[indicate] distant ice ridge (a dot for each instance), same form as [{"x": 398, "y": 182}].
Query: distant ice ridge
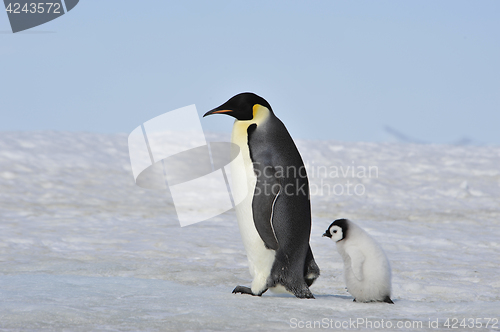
[{"x": 83, "y": 248}]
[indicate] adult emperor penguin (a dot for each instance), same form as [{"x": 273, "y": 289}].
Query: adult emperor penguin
[
  {"x": 275, "y": 217},
  {"x": 367, "y": 270}
]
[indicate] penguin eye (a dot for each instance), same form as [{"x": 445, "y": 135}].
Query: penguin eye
[{"x": 335, "y": 231}]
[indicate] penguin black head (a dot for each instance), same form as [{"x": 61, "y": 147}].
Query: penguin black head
[
  {"x": 242, "y": 106},
  {"x": 337, "y": 231}
]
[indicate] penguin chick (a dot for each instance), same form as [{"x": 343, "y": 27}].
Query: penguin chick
[{"x": 367, "y": 270}]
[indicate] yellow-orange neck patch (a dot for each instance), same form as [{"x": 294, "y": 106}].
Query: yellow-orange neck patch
[{"x": 260, "y": 113}]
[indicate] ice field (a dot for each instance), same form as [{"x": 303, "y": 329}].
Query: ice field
[{"x": 82, "y": 248}]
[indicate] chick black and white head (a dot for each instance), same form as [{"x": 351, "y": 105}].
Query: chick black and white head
[
  {"x": 337, "y": 231},
  {"x": 243, "y": 106}
]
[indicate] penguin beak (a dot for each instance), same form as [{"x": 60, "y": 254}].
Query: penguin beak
[
  {"x": 217, "y": 111},
  {"x": 327, "y": 234}
]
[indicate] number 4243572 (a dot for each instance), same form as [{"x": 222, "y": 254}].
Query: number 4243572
[
  {"x": 33, "y": 8},
  {"x": 455, "y": 323}
]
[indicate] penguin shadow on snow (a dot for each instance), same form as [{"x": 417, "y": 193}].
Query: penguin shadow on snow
[
  {"x": 349, "y": 299},
  {"x": 327, "y": 296}
]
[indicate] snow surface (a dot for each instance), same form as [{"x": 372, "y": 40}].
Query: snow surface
[{"x": 83, "y": 248}]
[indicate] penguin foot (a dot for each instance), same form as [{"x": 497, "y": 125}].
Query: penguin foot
[
  {"x": 307, "y": 296},
  {"x": 245, "y": 290},
  {"x": 387, "y": 299},
  {"x": 303, "y": 294}
]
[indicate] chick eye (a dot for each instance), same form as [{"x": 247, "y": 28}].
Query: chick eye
[{"x": 335, "y": 231}]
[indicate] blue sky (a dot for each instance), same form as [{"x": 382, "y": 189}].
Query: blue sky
[{"x": 330, "y": 69}]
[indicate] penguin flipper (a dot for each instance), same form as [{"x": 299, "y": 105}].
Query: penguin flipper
[
  {"x": 357, "y": 260},
  {"x": 267, "y": 191}
]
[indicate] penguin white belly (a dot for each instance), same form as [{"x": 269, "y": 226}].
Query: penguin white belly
[
  {"x": 259, "y": 257},
  {"x": 376, "y": 274}
]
